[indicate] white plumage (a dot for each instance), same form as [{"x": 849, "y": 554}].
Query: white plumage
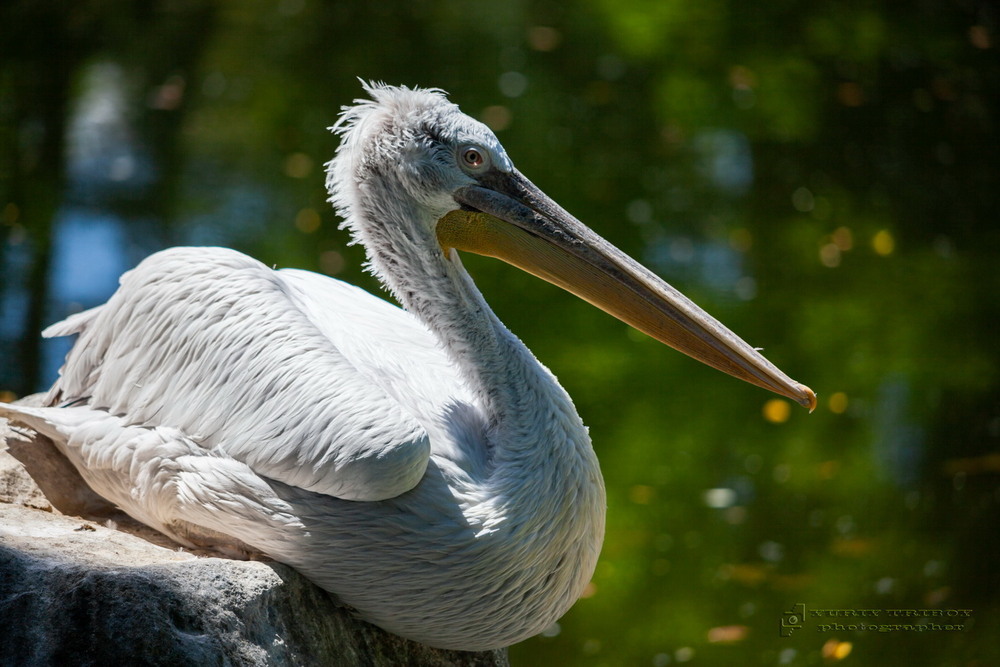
[{"x": 419, "y": 464}]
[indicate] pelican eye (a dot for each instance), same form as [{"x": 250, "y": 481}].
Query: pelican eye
[{"x": 474, "y": 158}]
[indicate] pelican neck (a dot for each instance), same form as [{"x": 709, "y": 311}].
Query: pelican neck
[{"x": 513, "y": 390}]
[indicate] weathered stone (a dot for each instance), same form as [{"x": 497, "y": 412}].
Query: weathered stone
[{"x": 76, "y": 589}]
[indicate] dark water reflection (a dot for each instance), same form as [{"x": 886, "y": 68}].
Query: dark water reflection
[{"x": 821, "y": 178}]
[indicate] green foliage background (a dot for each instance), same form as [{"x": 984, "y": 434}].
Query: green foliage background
[{"x": 821, "y": 176}]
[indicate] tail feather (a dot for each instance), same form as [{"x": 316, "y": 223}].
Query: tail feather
[
  {"x": 73, "y": 324},
  {"x": 55, "y": 423}
]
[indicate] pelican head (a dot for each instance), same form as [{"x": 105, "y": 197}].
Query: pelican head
[{"x": 453, "y": 188}]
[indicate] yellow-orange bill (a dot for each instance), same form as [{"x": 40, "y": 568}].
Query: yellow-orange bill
[{"x": 515, "y": 222}]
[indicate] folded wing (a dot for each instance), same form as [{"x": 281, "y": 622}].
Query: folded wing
[{"x": 303, "y": 378}]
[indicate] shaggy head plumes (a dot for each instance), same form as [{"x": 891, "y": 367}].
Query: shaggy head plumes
[{"x": 405, "y": 137}]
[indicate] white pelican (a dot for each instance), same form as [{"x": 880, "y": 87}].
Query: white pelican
[{"x": 418, "y": 463}]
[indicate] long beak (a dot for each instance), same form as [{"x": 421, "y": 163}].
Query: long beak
[{"x": 507, "y": 217}]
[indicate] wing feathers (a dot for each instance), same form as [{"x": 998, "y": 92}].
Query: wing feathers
[{"x": 258, "y": 365}]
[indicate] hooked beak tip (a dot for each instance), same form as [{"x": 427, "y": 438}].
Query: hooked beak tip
[{"x": 807, "y": 398}]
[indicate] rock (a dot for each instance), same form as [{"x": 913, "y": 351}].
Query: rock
[
  {"x": 90, "y": 586},
  {"x": 51, "y": 480}
]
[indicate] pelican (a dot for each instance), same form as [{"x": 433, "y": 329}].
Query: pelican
[{"x": 418, "y": 463}]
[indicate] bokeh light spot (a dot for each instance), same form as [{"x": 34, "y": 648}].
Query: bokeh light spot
[
  {"x": 11, "y": 212},
  {"x": 543, "y": 38},
  {"x": 850, "y": 94},
  {"x": 834, "y": 649},
  {"x": 331, "y": 262},
  {"x": 741, "y": 239},
  {"x": 719, "y": 498},
  {"x": 883, "y": 243},
  {"x": 838, "y": 403},
  {"x": 298, "y": 165},
  {"x": 829, "y": 255},
  {"x": 307, "y": 220},
  {"x": 727, "y": 634},
  {"x": 843, "y": 238},
  {"x": 979, "y": 37},
  {"x": 496, "y": 117},
  {"x": 803, "y": 200},
  {"x": 512, "y": 84},
  {"x": 640, "y": 494},
  {"x": 777, "y": 411}
]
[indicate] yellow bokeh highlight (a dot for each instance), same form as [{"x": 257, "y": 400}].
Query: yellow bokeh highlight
[
  {"x": 883, "y": 243},
  {"x": 828, "y": 469},
  {"x": 496, "y": 117},
  {"x": 777, "y": 411},
  {"x": 331, "y": 262},
  {"x": 843, "y": 238},
  {"x": 307, "y": 220},
  {"x": 835, "y": 649},
  {"x": 838, "y": 403},
  {"x": 640, "y": 494},
  {"x": 728, "y": 634},
  {"x": 298, "y": 165},
  {"x": 543, "y": 38}
]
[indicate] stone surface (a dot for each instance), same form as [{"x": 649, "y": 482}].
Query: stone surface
[{"x": 83, "y": 584}]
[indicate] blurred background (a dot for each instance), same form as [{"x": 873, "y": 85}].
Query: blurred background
[{"x": 821, "y": 176}]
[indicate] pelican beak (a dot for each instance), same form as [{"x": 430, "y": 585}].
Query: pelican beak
[{"x": 507, "y": 217}]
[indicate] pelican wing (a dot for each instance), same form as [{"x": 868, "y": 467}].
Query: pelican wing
[{"x": 296, "y": 375}]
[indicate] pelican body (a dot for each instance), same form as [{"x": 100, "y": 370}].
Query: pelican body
[{"x": 418, "y": 463}]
